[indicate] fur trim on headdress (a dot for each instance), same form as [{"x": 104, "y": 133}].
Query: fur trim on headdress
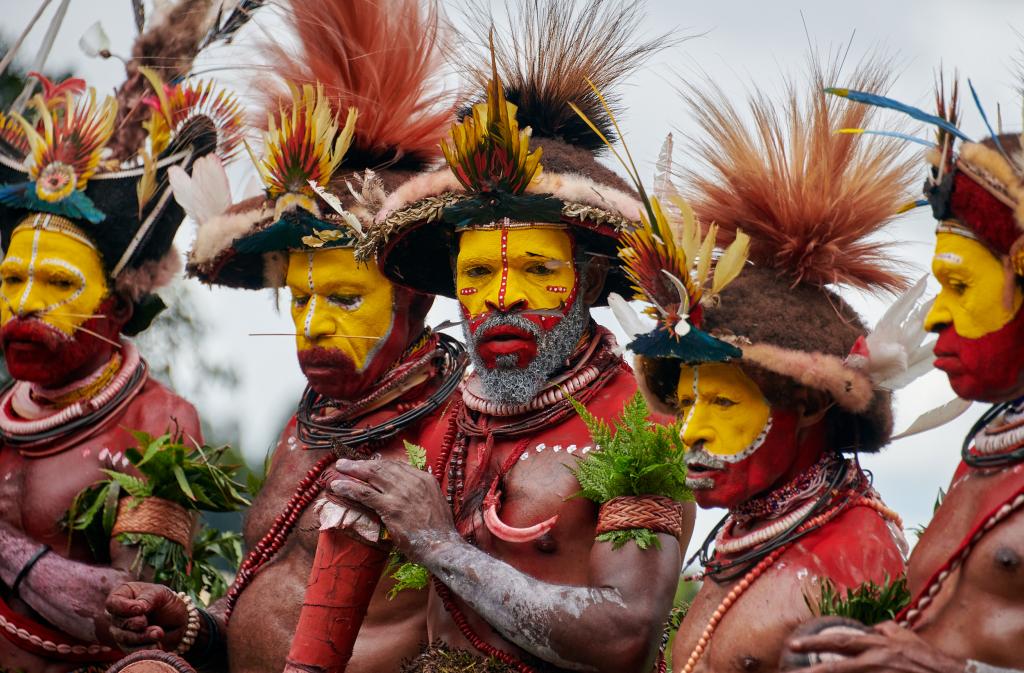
[
  {"x": 141, "y": 280},
  {"x": 568, "y": 187},
  {"x": 851, "y": 389},
  {"x": 810, "y": 198},
  {"x": 552, "y": 48},
  {"x": 218, "y": 233},
  {"x": 383, "y": 58}
]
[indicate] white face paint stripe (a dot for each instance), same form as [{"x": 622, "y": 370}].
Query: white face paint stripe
[
  {"x": 693, "y": 407},
  {"x": 31, "y": 263},
  {"x": 311, "y": 306},
  {"x": 73, "y": 270}
]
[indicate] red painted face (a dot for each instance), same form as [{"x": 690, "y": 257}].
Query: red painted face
[
  {"x": 37, "y": 352},
  {"x": 989, "y": 368},
  {"x": 527, "y": 271},
  {"x": 721, "y": 484}
]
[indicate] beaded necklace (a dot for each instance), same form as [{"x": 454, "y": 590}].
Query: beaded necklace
[
  {"x": 997, "y": 439},
  {"x": 452, "y": 364},
  {"x": 53, "y": 433}
]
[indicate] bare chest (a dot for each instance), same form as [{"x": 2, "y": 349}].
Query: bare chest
[
  {"x": 534, "y": 483},
  {"x": 751, "y": 633},
  {"x": 995, "y": 561},
  {"x": 35, "y": 493}
]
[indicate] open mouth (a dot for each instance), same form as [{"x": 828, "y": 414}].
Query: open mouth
[{"x": 505, "y": 333}]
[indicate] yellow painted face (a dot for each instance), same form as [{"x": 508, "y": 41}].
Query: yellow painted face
[
  {"x": 339, "y": 304},
  {"x": 972, "y": 279},
  {"x": 722, "y": 407},
  {"x": 526, "y": 268},
  {"x": 56, "y": 276}
]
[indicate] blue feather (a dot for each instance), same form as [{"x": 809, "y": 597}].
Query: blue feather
[
  {"x": 984, "y": 118},
  {"x": 890, "y": 104},
  {"x": 75, "y": 206},
  {"x": 889, "y": 134}
]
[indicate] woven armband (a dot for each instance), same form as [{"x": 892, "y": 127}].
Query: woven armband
[
  {"x": 155, "y": 516},
  {"x": 652, "y": 512}
]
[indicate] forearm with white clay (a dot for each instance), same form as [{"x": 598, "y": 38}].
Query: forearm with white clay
[
  {"x": 68, "y": 594},
  {"x": 553, "y": 622}
]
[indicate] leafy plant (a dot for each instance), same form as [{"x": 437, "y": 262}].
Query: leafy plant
[
  {"x": 192, "y": 477},
  {"x": 869, "y": 603},
  {"x": 406, "y": 574},
  {"x": 636, "y": 458}
]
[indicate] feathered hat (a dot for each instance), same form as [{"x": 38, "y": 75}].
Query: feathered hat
[
  {"x": 361, "y": 111},
  {"x": 124, "y": 209},
  {"x": 810, "y": 199},
  {"x": 976, "y": 189},
  {"x": 522, "y": 154}
]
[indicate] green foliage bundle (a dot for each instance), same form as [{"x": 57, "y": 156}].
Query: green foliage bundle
[
  {"x": 406, "y": 574},
  {"x": 192, "y": 477},
  {"x": 637, "y": 457},
  {"x": 869, "y": 603}
]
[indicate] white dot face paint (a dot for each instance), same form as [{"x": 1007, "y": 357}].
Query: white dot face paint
[{"x": 723, "y": 411}]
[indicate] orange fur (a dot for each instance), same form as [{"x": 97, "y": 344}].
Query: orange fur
[
  {"x": 810, "y": 198},
  {"x": 381, "y": 56}
]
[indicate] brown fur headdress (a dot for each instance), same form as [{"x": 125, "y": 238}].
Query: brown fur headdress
[{"x": 812, "y": 200}]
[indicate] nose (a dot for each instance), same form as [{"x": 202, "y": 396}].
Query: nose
[
  {"x": 505, "y": 307},
  {"x": 28, "y": 304},
  {"x": 318, "y": 322},
  {"x": 698, "y": 428},
  {"x": 940, "y": 315}
]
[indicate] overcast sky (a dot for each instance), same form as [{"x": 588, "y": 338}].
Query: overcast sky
[{"x": 741, "y": 44}]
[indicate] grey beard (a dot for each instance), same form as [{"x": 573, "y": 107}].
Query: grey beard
[{"x": 510, "y": 384}]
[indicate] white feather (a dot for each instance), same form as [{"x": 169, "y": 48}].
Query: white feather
[
  {"x": 935, "y": 417},
  {"x": 897, "y": 352},
  {"x": 206, "y": 193},
  {"x": 662, "y": 186},
  {"x": 627, "y": 317},
  {"x": 335, "y": 203},
  {"x": 94, "y": 41}
]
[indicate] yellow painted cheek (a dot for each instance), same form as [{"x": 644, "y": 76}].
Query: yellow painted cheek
[
  {"x": 512, "y": 255},
  {"x": 43, "y": 258},
  {"x": 978, "y": 308},
  {"x": 726, "y": 429},
  {"x": 326, "y": 277}
]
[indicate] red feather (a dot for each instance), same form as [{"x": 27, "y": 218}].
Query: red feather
[
  {"x": 382, "y": 57},
  {"x": 810, "y": 199}
]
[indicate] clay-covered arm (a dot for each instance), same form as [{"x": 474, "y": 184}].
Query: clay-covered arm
[
  {"x": 68, "y": 594},
  {"x": 614, "y": 624}
]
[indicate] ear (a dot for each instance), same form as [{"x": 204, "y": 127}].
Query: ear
[
  {"x": 812, "y": 405},
  {"x": 123, "y": 308},
  {"x": 595, "y": 271}
]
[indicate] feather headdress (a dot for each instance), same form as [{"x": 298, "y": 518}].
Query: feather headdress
[
  {"x": 976, "y": 189},
  {"x": 810, "y": 198},
  {"x": 383, "y": 58},
  {"x": 541, "y": 73},
  {"x": 551, "y": 52},
  {"x": 366, "y": 59}
]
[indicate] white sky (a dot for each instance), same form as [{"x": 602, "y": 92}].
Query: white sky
[{"x": 741, "y": 42}]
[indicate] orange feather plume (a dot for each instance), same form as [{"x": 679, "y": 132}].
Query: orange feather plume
[
  {"x": 383, "y": 58},
  {"x": 810, "y": 198}
]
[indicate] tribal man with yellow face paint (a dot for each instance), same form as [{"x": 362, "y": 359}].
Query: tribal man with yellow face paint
[
  {"x": 966, "y": 574},
  {"x": 377, "y": 375},
  {"x": 518, "y": 289},
  {"x": 86, "y": 245}
]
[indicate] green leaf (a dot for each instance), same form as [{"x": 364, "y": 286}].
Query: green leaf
[
  {"x": 417, "y": 455},
  {"x": 179, "y": 474}
]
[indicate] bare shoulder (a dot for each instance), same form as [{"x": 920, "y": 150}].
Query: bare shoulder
[{"x": 853, "y": 548}]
